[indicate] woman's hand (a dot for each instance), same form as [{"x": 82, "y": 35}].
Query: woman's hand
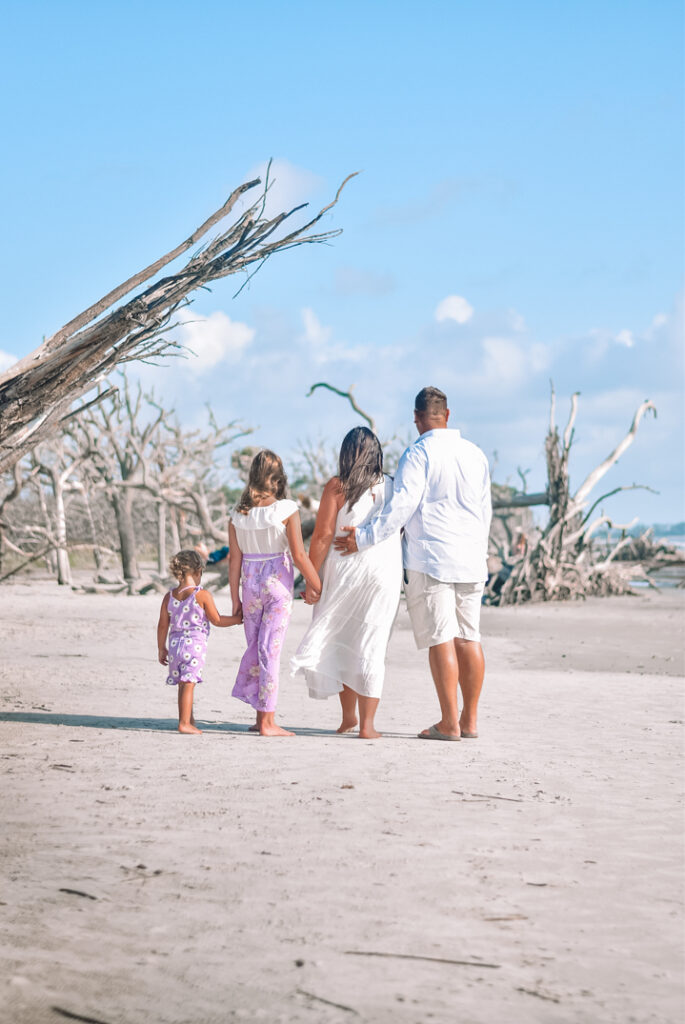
[{"x": 311, "y": 595}]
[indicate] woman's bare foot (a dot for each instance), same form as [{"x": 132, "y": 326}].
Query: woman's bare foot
[
  {"x": 271, "y": 729},
  {"x": 369, "y": 734},
  {"x": 348, "y": 725},
  {"x": 188, "y": 728}
]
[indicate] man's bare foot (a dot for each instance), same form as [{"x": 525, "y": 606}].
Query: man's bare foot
[
  {"x": 369, "y": 734},
  {"x": 348, "y": 725},
  {"x": 182, "y": 727},
  {"x": 273, "y": 730}
]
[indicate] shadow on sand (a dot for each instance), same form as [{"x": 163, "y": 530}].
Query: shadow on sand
[{"x": 159, "y": 724}]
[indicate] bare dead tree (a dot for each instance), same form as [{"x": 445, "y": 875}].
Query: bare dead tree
[
  {"x": 38, "y": 391},
  {"x": 56, "y": 461},
  {"x": 186, "y": 475},
  {"x": 18, "y": 478},
  {"x": 563, "y": 563},
  {"x": 113, "y": 437}
]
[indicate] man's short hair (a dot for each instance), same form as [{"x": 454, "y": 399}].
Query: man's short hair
[{"x": 431, "y": 402}]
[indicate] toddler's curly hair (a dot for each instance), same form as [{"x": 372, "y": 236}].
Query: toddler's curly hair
[{"x": 184, "y": 563}]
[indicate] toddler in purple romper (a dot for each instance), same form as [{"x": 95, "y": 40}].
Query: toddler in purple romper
[{"x": 188, "y": 634}]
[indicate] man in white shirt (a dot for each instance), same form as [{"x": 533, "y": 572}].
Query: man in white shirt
[{"x": 441, "y": 497}]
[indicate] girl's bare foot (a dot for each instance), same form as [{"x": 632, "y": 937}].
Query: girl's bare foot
[
  {"x": 188, "y": 728},
  {"x": 253, "y": 728},
  {"x": 348, "y": 725},
  {"x": 271, "y": 729},
  {"x": 369, "y": 734}
]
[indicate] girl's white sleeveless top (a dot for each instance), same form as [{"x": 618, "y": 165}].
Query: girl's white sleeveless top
[{"x": 261, "y": 531}]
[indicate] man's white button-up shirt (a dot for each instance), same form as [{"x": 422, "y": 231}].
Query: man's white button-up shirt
[{"x": 441, "y": 496}]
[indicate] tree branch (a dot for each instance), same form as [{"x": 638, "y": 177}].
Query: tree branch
[
  {"x": 345, "y": 394},
  {"x": 596, "y": 475}
]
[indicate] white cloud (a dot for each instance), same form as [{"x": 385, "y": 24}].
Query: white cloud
[
  {"x": 625, "y": 337},
  {"x": 317, "y": 338},
  {"x": 6, "y": 360},
  {"x": 454, "y": 307},
  {"x": 314, "y": 331},
  {"x": 504, "y": 361},
  {"x": 213, "y": 339}
]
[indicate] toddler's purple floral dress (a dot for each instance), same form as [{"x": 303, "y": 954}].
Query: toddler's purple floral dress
[{"x": 188, "y": 633}]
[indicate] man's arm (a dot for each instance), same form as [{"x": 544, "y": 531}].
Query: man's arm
[{"x": 408, "y": 488}]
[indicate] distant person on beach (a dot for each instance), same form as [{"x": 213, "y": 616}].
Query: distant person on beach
[
  {"x": 185, "y": 622},
  {"x": 212, "y": 557},
  {"x": 265, "y": 538},
  {"x": 441, "y": 496},
  {"x": 343, "y": 651}
]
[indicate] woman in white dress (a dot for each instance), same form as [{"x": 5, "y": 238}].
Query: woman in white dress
[{"x": 343, "y": 651}]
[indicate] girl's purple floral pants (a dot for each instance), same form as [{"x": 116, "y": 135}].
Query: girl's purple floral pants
[{"x": 267, "y": 597}]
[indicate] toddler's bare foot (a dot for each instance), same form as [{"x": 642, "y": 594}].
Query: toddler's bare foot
[
  {"x": 369, "y": 734},
  {"x": 189, "y": 728},
  {"x": 348, "y": 725},
  {"x": 273, "y": 730}
]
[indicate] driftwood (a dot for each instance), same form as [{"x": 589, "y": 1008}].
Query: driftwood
[
  {"x": 564, "y": 562},
  {"x": 38, "y": 391}
]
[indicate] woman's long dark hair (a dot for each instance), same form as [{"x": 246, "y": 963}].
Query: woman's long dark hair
[{"x": 360, "y": 464}]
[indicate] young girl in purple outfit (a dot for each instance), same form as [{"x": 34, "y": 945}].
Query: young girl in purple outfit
[
  {"x": 264, "y": 540},
  {"x": 185, "y": 615}
]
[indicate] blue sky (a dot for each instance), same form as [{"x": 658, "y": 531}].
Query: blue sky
[{"x": 519, "y": 216}]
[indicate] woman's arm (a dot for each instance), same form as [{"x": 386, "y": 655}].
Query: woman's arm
[
  {"x": 332, "y": 501},
  {"x": 235, "y": 564},
  {"x": 293, "y": 529},
  {"x": 162, "y": 631}
]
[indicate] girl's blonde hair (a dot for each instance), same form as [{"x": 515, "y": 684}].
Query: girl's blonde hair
[
  {"x": 185, "y": 563},
  {"x": 267, "y": 479}
]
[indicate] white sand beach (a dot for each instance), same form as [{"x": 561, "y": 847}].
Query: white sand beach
[{"x": 533, "y": 875}]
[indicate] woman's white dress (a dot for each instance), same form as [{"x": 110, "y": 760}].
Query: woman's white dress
[{"x": 351, "y": 623}]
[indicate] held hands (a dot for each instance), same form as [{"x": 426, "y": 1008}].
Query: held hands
[
  {"x": 311, "y": 596},
  {"x": 346, "y": 545},
  {"x": 163, "y": 656},
  {"x": 236, "y": 617}
]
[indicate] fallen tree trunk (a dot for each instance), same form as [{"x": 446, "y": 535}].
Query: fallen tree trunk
[{"x": 38, "y": 391}]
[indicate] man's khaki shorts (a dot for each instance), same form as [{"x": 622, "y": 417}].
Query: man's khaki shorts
[{"x": 442, "y": 611}]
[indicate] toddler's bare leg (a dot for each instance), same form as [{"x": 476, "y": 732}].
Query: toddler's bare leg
[
  {"x": 186, "y": 692},
  {"x": 367, "y": 711},
  {"x": 348, "y": 703}
]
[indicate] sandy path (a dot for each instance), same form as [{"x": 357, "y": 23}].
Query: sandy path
[{"x": 235, "y": 878}]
